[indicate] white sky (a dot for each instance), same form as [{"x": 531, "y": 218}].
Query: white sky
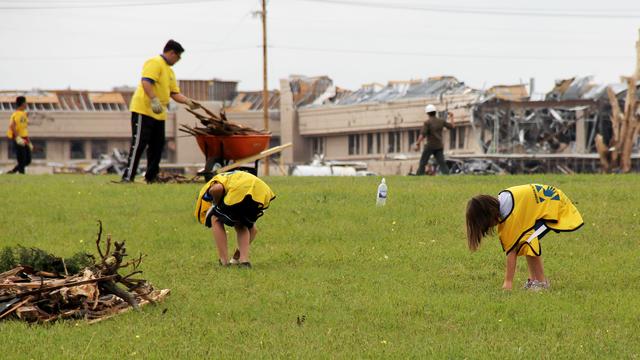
[{"x": 99, "y": 48}]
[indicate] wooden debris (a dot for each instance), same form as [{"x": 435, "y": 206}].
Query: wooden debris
[
  {"x": 626, "y": 126},
  {"x": 218, "y": 125},
  {"x": 168, "y": 178},
  {"x": 96, "y": 293}
]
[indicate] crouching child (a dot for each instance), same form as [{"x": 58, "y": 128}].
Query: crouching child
[
  {"x": 523, "y": 215},
  {"x": 235, "y": 199}
]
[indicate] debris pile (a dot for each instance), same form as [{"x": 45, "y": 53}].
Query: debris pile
[
  {"x": 116, "y": 162},
  {"x": 625, "y": 125},
  {"x": 170, "y": 178},
  {"x": 535, "y": 127},
  {"x": 218, "y": 124},
  {"x": 93, "y": 294}
]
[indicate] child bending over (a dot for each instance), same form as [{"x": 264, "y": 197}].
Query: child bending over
[
  {"x": 523, "y": 215},
  {"x": 236, "y": 199}
]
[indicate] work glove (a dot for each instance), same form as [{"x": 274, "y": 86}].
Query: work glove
[
  {"x": 20, "y": 140},
  {"x": 156, "y": 106},
  {"x": 192, "y": 104}
]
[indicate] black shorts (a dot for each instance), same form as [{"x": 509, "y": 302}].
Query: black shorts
[{"x": 244, "y": 213}]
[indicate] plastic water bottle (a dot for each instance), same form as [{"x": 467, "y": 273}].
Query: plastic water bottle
[{"x": 381, "y": 198}]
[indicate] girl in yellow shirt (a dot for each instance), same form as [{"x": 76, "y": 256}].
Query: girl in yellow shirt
[
  {"x": 523, "y": 215},
  {"x": 236, "y": 199}
]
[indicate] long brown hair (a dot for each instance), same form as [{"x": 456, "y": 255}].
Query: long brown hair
[{"x": 483, "y": 214}]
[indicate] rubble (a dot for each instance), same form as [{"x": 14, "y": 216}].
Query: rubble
[
  {"x": 396, "y": 90},
  {"x": 625, "y": 126},
  {"x": 218, "y": 125},
  {"x": 116, "y": 162},
  {"x": 170, "y": 178},
  {"x": 528, "y": 127},
  {"x": 94, "y": 294}
]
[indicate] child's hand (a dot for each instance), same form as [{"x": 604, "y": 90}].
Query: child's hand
[{"x": 507, "y": 285}]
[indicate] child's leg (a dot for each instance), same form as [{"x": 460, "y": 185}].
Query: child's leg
[
  {"x": 252, "y": 235},
  {"x": 244, "y": 237},
  {"x": 536, "y": 270},
  {"x": 220, "y": 237}
]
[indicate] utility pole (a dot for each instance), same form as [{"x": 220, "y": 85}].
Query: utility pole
[{"x": 265, "y": 85}]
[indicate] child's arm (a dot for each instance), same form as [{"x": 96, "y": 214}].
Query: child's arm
[{"x": 510, "y": 271}]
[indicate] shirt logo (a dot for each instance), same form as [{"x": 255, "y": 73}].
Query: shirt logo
[{"x": 547, "y": 193}]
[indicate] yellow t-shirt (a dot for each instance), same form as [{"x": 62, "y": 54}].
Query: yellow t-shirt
[
  {"x": 164, "y": 85},
  {"x": 533, "y": 203},
  {"x": 19, "y": 117},
  {"x": 237, "y": 185}
]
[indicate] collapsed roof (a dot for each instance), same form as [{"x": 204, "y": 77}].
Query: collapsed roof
[{"x": 432, "y": 87}]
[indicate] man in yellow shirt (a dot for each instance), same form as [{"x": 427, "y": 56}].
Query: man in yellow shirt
[
  {"x": 149, "y": 110},
  {"x": 18, "y": 132}
]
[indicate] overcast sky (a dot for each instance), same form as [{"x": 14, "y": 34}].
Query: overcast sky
[{"x": 99, "y": 44}]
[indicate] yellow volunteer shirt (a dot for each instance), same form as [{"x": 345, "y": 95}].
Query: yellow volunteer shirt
[
  {"x": 19, "y": 117},
  {"x": 164, "y": 85},
  {"x": 237, "y": 185},
  {"x": 531, "y": 203}
]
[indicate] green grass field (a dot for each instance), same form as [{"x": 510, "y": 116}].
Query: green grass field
[{"x": 393, "y": 282}]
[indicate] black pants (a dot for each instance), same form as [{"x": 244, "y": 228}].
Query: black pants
[
  {"x": 146, "y": 132},
  {"x": 23, "y": 154},
  {"x": 424, "y": 159}
]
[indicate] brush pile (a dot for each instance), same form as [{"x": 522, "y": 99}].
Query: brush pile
[
  {"x": 169, "y": 178},
  {"x": 217, "y": 125},
  {"x": 95, "y": 293}
]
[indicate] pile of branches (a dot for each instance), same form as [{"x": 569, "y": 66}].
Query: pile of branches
[
  {"x": 95, "y": 293},
  {"x": 626, "y": 127},
  {"x": 218, "y": 125},
  {"x": 169, "y": 178}
]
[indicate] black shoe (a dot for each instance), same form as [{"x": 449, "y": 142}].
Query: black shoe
[
  {"x": 245, "y": 265},
  {"x": 221, "y": 264},
  {"x": 122, "y": 181}
]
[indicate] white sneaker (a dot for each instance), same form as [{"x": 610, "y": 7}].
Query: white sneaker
[{"x": 539, "y": 285}]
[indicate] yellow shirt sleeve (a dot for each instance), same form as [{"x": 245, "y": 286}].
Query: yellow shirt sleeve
[{"x": 152, "y": 70}]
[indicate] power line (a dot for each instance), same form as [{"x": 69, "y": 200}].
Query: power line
[
  {"x": 485, "y": 11},
  {"x": 84, "y": 5},
  {"x": 449, "y": 55},
  {"x": 116, "y": 56}
]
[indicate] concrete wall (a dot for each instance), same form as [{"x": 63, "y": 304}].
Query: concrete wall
[
  {"x": 59, "y": 128},
  {"x": 335, "y": 124},
  {"x": 299, "y": 152}
]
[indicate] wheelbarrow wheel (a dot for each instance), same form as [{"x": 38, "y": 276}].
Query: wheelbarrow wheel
[{"x": 211, "y": 166}]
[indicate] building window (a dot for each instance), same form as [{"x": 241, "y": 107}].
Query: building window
[
  {"x": 168, "y": 153},
  {"x": 76, "y": 149},
  {"x": 370, "y": 143},
  {"x": 413, "y": 137},
  {"x": 98, "y": 147},
  {"x": 394, "y": 142},
  {"x": 460, "y": 132},
  {"x": 378, "y": 143},
  {"x": 39, "y": 149},
  {"x": 354, "y": 144},
  {"x": 317, "y": 146},
  {"x": 452, "y": 138},
  {"x": 11, "y": 152}
]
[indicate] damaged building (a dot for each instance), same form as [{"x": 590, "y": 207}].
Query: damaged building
[{"x": 376, "y": 125}]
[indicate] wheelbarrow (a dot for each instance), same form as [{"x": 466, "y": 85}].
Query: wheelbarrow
[{"x": 219, "y": 151}]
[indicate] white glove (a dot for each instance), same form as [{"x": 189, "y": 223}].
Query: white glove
[
  {"x": 20, "y": 140},
  {"x": 156, "y": 106},
  {"x": 192, "y": 104},
  {"x": 30, "y": 146}
]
